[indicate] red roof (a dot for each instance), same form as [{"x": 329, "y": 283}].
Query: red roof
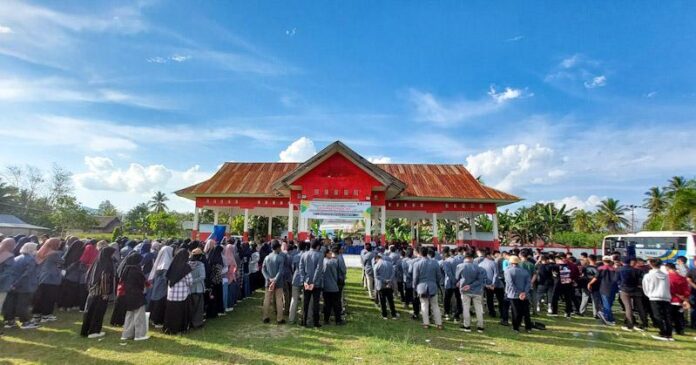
[
  {"x": 419, "y": 181},
  {"x": 422, "y": 181}
]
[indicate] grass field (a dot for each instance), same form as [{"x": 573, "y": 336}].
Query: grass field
[{"x": 240, "y": 337}]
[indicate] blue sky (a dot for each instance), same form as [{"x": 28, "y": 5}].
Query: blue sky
[{"x": 554, "y": 101}]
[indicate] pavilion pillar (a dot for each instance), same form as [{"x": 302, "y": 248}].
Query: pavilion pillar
[
  {"x": 496, "y": 237},
  {"x": 302, "y": 227},
  {"x": 368, "y": 229},
  {"x": 472, "y": 229},
  {"x": 245, "y": 234},
  {"x": 216, "y": 217},
  {"x": 383, "y": 224},
  {"x": 436, "y": 240},
  {"x": 413, "y": 233},
  {"x": 460, "y": 233},
  {"x": 270, "y": 228},
  {"x": 194, "y": 231},
  {"x": 291, "y": 217}
]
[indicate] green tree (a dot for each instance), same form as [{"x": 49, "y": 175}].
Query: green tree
[
  {"x": 8, "y": 195},
  {"x": 136, "y": 219},
  {"x": 674, "y": 184},
  {"x": 157, "y": 203},
  {"x": 107, "y": 209},
  {"x": 163, "y": 224},
  {"x": 610, "y": 215},
  {"x": 554, "y": 219},
  {"x": 583, "y": 221},
  {"x": 682, "y": 211},
  {"x": 69, "y": 214}
]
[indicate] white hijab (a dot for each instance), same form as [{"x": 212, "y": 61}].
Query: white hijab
[{"x": 163, "y": 260}]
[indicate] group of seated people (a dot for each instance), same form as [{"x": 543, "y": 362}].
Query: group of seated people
[{"x": 521, "y": 281}]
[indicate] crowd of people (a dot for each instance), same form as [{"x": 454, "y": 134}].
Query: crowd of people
[
  {"x": 517, "y": 285},
  {"x": 177, "y": 285},
  {"x": 173, "y": 285}
]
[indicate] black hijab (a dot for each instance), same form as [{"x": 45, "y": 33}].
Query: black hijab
[
  {"x": 103, "y": 265},
  {"x": 215, "y": 256},
  {"x": 74, "y": 253},
  {"x": 132, "y": 262},
  {"x": 179, "y": 267}
]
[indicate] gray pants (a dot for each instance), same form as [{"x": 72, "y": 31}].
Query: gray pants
[
  {"x": 3, "y": 295},
  {"x": 429, "y": 304},
  {"x": 478, "y": 308},
  {"x": 371, "y": 286},
  {"x": 586, "y": 300},
  {"x": 294, "y": 303},
  {"x": 135, "y": 325}
]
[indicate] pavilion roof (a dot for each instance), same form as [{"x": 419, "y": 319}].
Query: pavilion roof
[{"x": 423, "y": 181}]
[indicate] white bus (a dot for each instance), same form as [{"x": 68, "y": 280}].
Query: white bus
[{"x": 664, "y": 245}]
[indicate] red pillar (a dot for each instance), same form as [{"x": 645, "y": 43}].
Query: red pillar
[
  {"x": 245, "y": 237},
  {"x": 290, "y": 236},
  {"x": 194, "y": 234}
]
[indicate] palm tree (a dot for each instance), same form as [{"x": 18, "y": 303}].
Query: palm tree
[
  {"x": 583, "y": 221},
  {"x": 674, "y": 184},
  {"x": 157, "y": 202},
  {"x": 555, "y": 219},
  {"x": 682, "y": 212},
  {"x": 611, "y": 215},
  {"x": 655, "y": 203},
  {"x": 7, "y": 196}
]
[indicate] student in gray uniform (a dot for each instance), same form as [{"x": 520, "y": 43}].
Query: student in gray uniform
[
  {"x": 471, "y": 279},
  {"x": 411, "y": 298},
  {"x": 311, "y": 265},
  {"x": 518, "y": 282},
  {"x": 296, "y": 281},
  {"x": 332, "y": 296},
  {"x": 384, "y": 284},
  {"x": 449, "y": 268},
  {"x": 395, "y": 257},
  {"x": 342, "y": 274},
  {"x": 367, "y": 258},
  {"x": 426, "y": 275},
  {"x": 272, "y": 270}
]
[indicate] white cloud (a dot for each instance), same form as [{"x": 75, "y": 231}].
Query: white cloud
[
  {"x": 574, "y": 201},
  {"x": 156, "y": 60},
  {"x": 5, "y": 30},
  {"x": 176, "y": 58},
  {"x": 515, "y": 38},
  {"x": 102, "y": 175},
  {"x": 570, "y": 61},
  {"x": 515, "y": 166},
  {"x": 651, "y": 94},
  {"x": 597, "y": 81},
  {"x": 180, "y": 58},
  {"x": 99, "y": 135},
  {"x": 298, "y": 151},
  {"x": 379, "y": 159},
  {"x": 56, "y": 89},
  {"x": 431, "y": 109}
]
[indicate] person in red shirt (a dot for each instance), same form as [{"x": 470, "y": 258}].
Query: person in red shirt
[{"x": 679, "y": 288}]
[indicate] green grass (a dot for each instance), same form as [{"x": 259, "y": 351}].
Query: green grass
[{"x": 240, "y": 337}]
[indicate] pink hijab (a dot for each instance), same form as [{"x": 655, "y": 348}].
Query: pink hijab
[
  {"x": 228, "y": 253},
  {"x": 89, "y": 255},
  {"x": 7, "y": 247},
  {"x": 209, "y": 246},
  {"x": 50, "y": 246}
]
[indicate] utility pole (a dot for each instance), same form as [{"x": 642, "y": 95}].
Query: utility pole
[{"x": 633, "y": 221}]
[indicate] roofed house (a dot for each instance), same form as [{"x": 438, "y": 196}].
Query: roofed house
[
  {"x": 12, "y": 226},
  {"x": 105, "y": 224}
]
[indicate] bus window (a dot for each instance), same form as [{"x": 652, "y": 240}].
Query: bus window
[{"x": 681, "y": 243}]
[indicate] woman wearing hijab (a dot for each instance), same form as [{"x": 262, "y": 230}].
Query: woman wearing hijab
[
  {"x": 214, "y": 278},
  {"x": 89, "y": 256},
  {"x": 6, "y": 262},
  {"x": 230, "y": 290},
  {"x": 21, "y": 241},
  {"x": 133, "y": 282},
  {"x": 50, "y": 261},
  {"x": 118, "y": 316},
  {"x": 158, "y": 280},
  {"x": 197, "y": 303},
  {"x": 100, "y": 284},
  {"x": 23, "y": 285},
  {"x": 69, "y": 297},
  {"x": 179, "y": 280}
]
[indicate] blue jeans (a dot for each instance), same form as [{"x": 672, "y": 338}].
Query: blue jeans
[
  {"x": 225, "y": 290},
  {"x": 233, "y": 289},
  {"x": 607, "y": 302},
  {"x": 247, "y": 288}
]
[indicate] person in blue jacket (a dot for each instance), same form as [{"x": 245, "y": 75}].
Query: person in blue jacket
[{"x": 24, "y": 282}]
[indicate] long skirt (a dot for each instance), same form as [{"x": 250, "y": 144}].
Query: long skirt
[
  {"x": 94, "y": 315},
  {"x": 69, "y": 296},
  {"x": 82, "y": 296},
  {"x": 45, "y": 299},
  {"x": 197, "y": 310},
  {"x": 157, "y": 309},
  {"x": 176, "y": 317},
  {"x": 118, "y": 316},
  {"x": 214, "y": 305}
]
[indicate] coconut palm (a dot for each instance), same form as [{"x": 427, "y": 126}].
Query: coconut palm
[
  {"x": 682, "y": 211},
  {"x": 7, "y": 196},
  {"x": 583, "y": 221},
  {"x": 674, "y": 184},
  {"x": 656, "y": 202},
  {"x": 157, "y": 203},
  {"x": 611, "y": 215}
]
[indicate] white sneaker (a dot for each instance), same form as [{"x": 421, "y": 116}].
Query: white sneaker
[
  {"x": 96, "y": 335},
  {"x": 142, "y": 338},
  {"x": 626, "y": 329},
  {"x": 660, "y": 338},
  {"x": 229, "y": 309},
  {"x": 29, "y": 326},
  {"x": 124, "y": 339}
]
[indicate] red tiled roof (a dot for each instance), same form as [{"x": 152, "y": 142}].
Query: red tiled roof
[{"x": 422, "y": 181}]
